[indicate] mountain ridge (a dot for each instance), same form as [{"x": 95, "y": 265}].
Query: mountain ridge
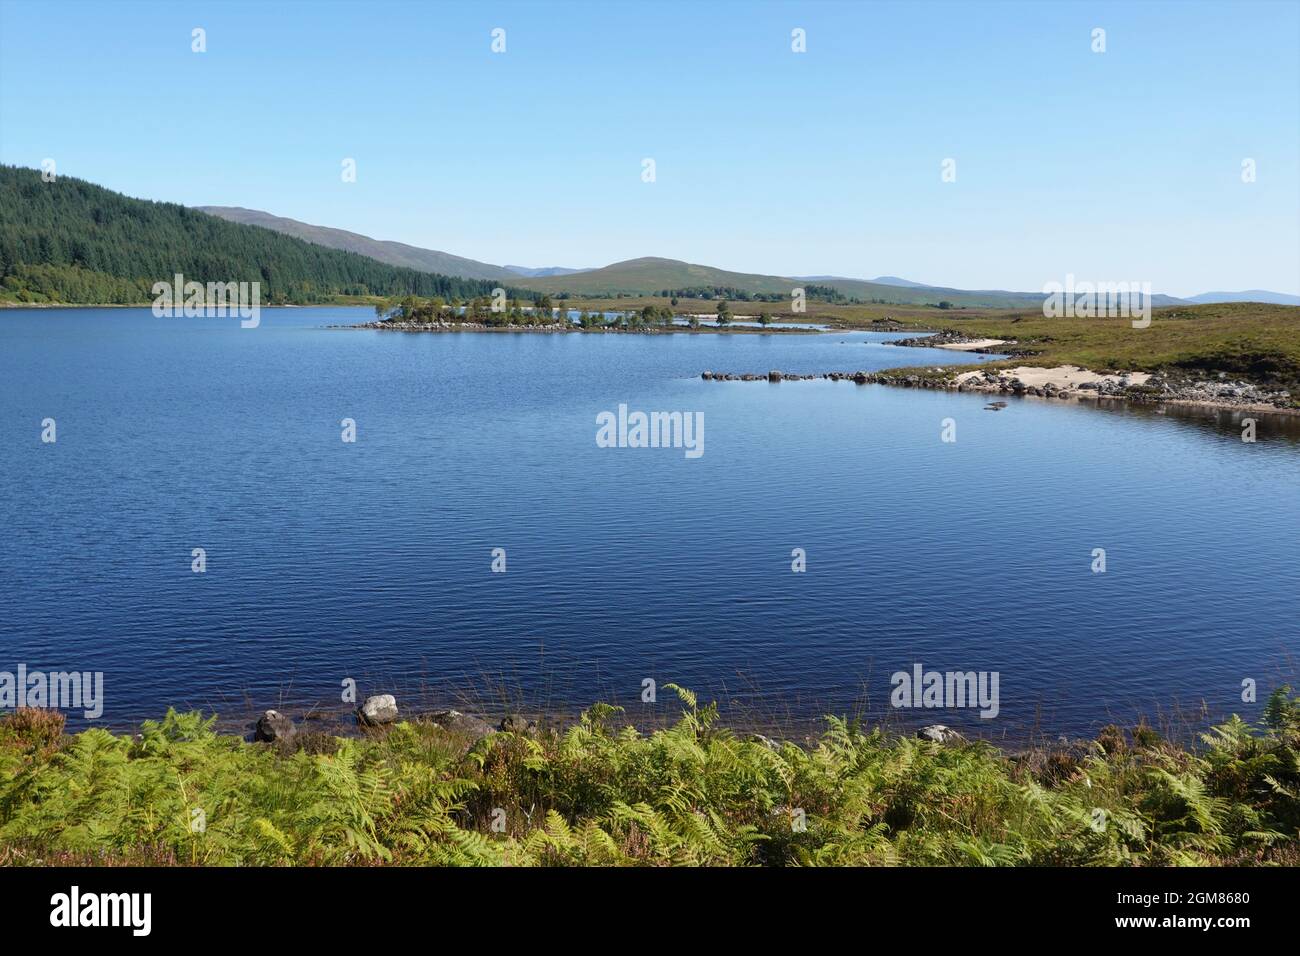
[
  {"x": 646, "y": 275},
  {"x": 384, "y": 250}
]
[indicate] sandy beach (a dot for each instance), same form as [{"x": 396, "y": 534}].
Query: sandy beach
[{"x": 971, "y": 346}]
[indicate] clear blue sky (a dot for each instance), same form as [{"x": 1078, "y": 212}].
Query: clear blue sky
[{"x": 1113, "y": 166}]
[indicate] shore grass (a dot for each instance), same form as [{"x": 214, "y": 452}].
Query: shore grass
[
  {"x": 600, "y": 793},
  {"x": 1252, "y": 340}
]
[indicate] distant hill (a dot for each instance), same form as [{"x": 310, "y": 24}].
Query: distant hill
[
  {"x": 1250, "y": 295},
  {"x": 895, "y": 280},
  {"x": 650, "y": 275},
  {"x": 542, "y": 273},
  {"x": 644, "y": 276},
  {"x": 74, "y": 242},
  {"x": 393, "y": 253},
  {"x": 879, "y": 280}
]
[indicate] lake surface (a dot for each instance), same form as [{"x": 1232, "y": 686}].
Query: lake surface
[{"x": 371, "y": 560}]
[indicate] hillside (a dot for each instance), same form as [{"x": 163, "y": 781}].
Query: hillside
[
  {"x": 652, "y": 274},
  {"x": 71, "y": 241},
  {"x": 393, "y": 253}
]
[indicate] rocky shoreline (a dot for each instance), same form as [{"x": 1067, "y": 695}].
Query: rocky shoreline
[
  {"x": 1158, "y": 388},
  {"x": 389, "y": 326},
  {"x": 379, "y": 711}
]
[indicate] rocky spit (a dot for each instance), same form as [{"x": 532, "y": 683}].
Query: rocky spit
[
  {"x": 1218, "y": 392},
  {"x": 949, "y": 337},
  {"x": 387, "y": 326}
]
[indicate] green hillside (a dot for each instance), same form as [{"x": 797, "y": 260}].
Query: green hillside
[
  {"x": 652, "y": 274},
  {"x": 70, "y": 241}
]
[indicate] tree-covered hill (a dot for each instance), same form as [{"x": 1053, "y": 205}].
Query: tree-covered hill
[{"x": 71, "y": 241}]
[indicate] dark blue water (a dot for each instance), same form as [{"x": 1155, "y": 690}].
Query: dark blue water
[{"x": 372, "y": 560}]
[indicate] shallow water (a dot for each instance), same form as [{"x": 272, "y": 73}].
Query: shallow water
[{"x": 371, "y": 561}]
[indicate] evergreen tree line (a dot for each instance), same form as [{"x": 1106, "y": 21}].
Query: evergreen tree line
[{"x": 72, "y": 241}]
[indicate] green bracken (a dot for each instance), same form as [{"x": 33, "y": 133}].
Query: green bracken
[{"x": 692, "y": 794}]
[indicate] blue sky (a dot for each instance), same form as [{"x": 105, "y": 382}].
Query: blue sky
[{"x": 1123, "y": 165}]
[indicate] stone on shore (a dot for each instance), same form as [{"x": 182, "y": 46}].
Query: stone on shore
[
  {"x": 513, "y": 724},
  {"x": 381, "y": 709},
  {"x": 453, "y": 721},
  {"x": 273, "y": 726},
  {"x": 939, "y": 734}
]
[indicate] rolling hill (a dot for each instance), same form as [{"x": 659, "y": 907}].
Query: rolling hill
[
  {"x": 650, "y": 274},
  {"x": 643, "y": 276}
]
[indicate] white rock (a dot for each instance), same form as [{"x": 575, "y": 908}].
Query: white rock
[{"x": 379, "y": 710}]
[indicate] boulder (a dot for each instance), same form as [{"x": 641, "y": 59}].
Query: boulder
[
  {"x": 939, "y": 734},
  {"x": 381, "y": 709},
  {"x": 774, "y": 376},
  {"x": 273, "y": 726},
  {"x": 453, "y": 721},
  {"x": 513, "y": 724}
]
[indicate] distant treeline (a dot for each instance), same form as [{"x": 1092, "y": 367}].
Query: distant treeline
[
  {"x": 72, "y": 241},
  {"x": 824, "y": 293}
]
